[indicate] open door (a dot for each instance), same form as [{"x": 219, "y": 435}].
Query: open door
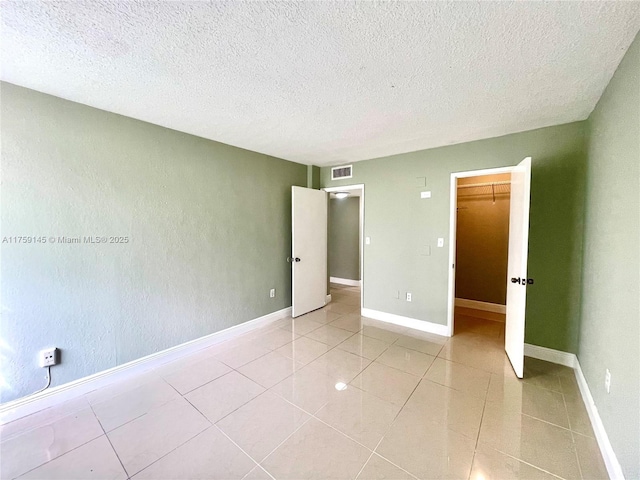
[
  {"x": 517, "y": 264},
  {"x": 309, "y": 249}
]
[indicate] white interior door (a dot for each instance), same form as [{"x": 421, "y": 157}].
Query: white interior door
[
  {"x": 309, "y": 249},
  {"x": 517, "y": 264}
]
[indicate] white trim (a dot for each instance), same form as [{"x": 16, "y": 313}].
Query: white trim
[
  {"x": 33, "y": 403},
  {"x": 453, "y": 204},
  {"x": 327, "y": 299},
  {"x": 359, "y": 186},
  {"x": 414, "y": 323},
  {"x": 345, "y": 281},
  {"x": 477, "y": 305},
  {"x": 608, "y": 455},
  {"x": 550, "y": 355},
  {"x": 570, "y": 360}
]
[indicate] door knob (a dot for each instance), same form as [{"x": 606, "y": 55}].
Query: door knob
[
  {"x": 522, "y": 281},
  {"x": 296, "y": 259}
]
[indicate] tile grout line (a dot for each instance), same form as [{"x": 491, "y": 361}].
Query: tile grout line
[
  {"x": 375, "y": 452},
  {"x": 257, "y": 464},
  {"x": 174, "y": 449},
  {"x": 65, "y": 453},
  {"x": 573, "y": 437},
  {"x": 109, "y": 440}
]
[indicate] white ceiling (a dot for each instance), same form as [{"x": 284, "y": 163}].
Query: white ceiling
[{"x": 323, "y": 82}]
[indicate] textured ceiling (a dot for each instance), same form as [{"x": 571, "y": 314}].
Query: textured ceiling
[{"x": 323, "y": 82}]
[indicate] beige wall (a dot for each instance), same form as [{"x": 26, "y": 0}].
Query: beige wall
[{"x": 482, "y": 240}]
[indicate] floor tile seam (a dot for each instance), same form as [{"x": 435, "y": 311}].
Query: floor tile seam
[
  {"x": 414, "y": 350},
  {"x": 462, "y": 392},
  {"x": 261, "y": 462},
  {"x": 566, "y": 411},
  {"x": 7, "y": 438},
  {"x": 375, "y": 452},
  {"x": 110, "y": 443},
  {"x": 243, "y": 451},
  {"x": 548, "y": 423},
  {"x": 206, "y": 383},
  {"x": 404, "y": 404},
  {"x": 154, "y": 407},
  {"x": 484, "y": 409},
  {"x": 573, "y": 439},
  {"x": 302, "y": 334},
  {"x": 159, "y": 378},
  {"x": 115, "y": 382},
  {"x": 465, "y": 365},
  {"x": 523, "y": 461},
  {"x": 63, "y": 454},
  {"x": 247, "y": 363},
  {"x": 534, "y": 417},
  {"x": 234, "y": 410},
  {"x": 169, "y": 452},
  {"x": 341, "y": 432},
  {"x": 473, "y": 459},
  {"x": 539, "y": 386},
  {"x": 261, "y": 468},
  {"x": 211, "y": 424},
  {"x": 341, "y": 328},
  {"x": 363, "y": 465},
  {"x": 419, "y": 377}
]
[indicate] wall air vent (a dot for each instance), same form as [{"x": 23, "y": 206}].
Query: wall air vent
[{"x": 338, "y": 173}]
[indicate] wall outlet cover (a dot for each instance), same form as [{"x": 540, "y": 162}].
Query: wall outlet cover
[
  {"x": 425, "y": 194},
  {"x": 49, "y": 357}
]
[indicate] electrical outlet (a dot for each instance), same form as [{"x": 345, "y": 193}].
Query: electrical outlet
[
  {"x": 272, "y": 293},
  {"x": 49, "y": 357},
  {"x": 408, "y": 297},
  {"x": 607, "y": 380}
]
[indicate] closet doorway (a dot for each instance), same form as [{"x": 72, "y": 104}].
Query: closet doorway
[
  {"x": 477, "y": 254},
  {"x": 482, "y": 251}
]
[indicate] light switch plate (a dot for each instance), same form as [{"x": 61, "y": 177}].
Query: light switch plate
[
  {"x": 441, "y": 242},
  {"x": 367, "y": 240}
]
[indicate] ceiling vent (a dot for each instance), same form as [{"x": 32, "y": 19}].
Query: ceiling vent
[{"x": 338, "y": 173}]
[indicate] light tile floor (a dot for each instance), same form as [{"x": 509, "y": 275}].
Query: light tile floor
[{"x": 328, "y": 395}]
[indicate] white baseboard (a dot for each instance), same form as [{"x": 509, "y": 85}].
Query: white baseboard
[
  {"x": 485, "y": 306},
  {"x": 570, "y": 360},
  {"x": 550, "y": 355},
  {"x": 414, "y": 323},
  {"x": 608, "y": 455},
  {"x": 345, "y": 281},
  {"x": 327, "y": 299},
  {"x": 33, "y": 403}
]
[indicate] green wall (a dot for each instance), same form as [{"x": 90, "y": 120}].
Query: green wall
[
  {"x": 344, "y": 238},
  {"x": 209, "y": 229},
  {"x": 610, "y": 328},
  {"x": 402, "y": 225}
]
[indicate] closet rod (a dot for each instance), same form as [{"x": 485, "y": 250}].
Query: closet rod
[{"x": 488, "y": 184}]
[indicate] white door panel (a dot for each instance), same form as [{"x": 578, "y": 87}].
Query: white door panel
[
  {"x": 517, "y": 264},
  {"x": 309, "y": 249}
]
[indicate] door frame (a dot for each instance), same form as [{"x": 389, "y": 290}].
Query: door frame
[
  {"x": 453, "y": 230},
  {"x": 346, "y": 188}
]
